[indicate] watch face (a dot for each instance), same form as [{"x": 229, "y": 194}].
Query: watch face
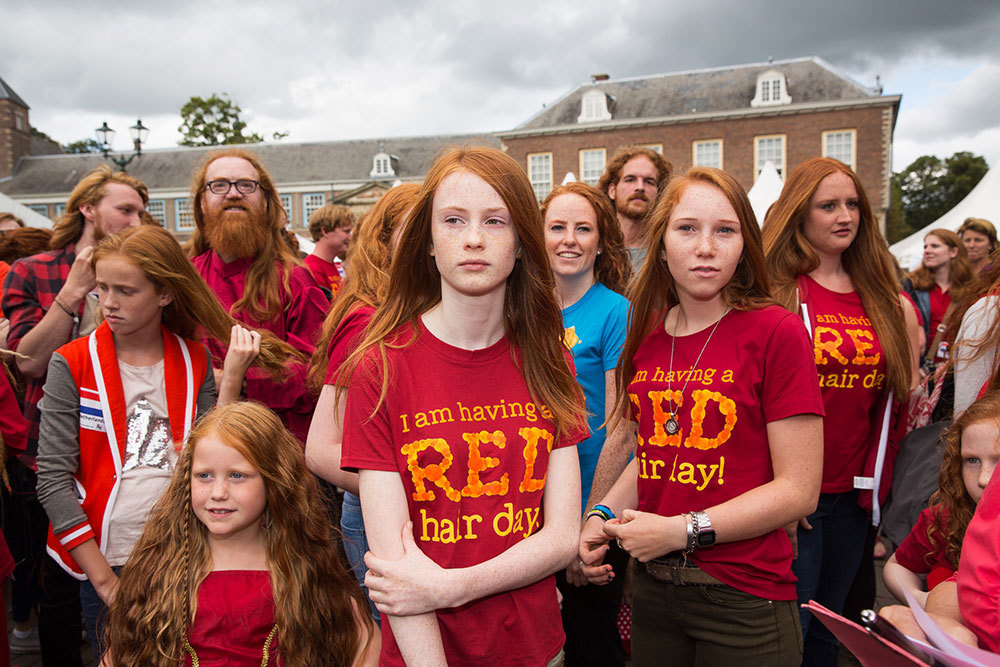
[{"x": 706, "y": 539}]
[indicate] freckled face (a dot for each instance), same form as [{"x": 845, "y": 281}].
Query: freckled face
[
  {"x": 979, "y": 456},
  {"x": 473, "y": 240},
  {"x": 703, "y": 241},
  {"x": 129, "y": 301},
  {"x": 571, "y": 236},
  {"x": 833, "y": 216}
]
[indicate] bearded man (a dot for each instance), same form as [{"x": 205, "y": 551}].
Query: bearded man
[
  {"x": 633, "y": 179},
  {"x": 238, "y": 249}
]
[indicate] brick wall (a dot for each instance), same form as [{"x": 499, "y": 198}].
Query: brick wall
[
  {"x": 803, "y": 137},
  {"x": 13, "y": 142}
]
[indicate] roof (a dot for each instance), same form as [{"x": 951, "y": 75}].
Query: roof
[
  {"x": 809, "y": 80},
  {"x": 7, "y": 93},
  {"x": 325, "y": 163}
]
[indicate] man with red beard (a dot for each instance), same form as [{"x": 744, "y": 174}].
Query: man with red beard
[
  {"x": 633, "y": 179},
  {"x": 50, "y": 300},
  {"x": 238, "y": 249}
]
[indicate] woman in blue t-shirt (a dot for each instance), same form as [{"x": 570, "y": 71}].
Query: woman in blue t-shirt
[{"x": 591, "y": 267}]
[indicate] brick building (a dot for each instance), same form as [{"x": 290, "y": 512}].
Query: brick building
[
  {"x": 16, "y": 137},
  {"x": 735, "y": 118}
]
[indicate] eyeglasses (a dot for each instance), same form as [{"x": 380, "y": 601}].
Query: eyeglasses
[{"x": 244, "y": 186}]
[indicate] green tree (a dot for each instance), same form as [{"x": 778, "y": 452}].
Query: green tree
[
  {"x": 930, "y": 187},
  {"x": 895, "y": 222},
  {"x": 214, "y": 121},
  {"x": 82, "y": 146}
]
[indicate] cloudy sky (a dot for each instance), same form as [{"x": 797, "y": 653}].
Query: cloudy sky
[{"x": 322, "y": 69}]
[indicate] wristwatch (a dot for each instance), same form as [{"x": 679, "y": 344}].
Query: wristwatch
[{"x": 704, "y": 533}]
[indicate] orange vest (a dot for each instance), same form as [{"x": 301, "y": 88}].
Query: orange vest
[{"x": 94, "y": 366}]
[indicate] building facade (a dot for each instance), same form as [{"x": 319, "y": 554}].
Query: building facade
[{"x": 734, "y": 118}]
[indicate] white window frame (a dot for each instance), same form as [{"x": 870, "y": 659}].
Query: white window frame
[
  {"x": 541, "y": 182},
  {"x": 853, "y": 134},
  {"x": 310, "y": 207},
  {"x": 286, "y": 203},
  {"x": 695, "y": 145},
  {"x": 183, "y": 215},
  {"x": 41, "y": 209},
  {"x": 592, "y": 162},
  {"x": 382, "y": 166},
  {"x": 772, "y": 89},
  {"x": 656, "y": 148},
  {"x": 758, "y": 164},
  {"x": 593, "y": 107},
  {"x": 157, "y": 208}
]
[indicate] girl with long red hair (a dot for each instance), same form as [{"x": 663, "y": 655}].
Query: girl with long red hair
[
  {"x": 829, "y": 264},
  {"x": 727, "y": 417},
  {"x": 462, "y": 415}
]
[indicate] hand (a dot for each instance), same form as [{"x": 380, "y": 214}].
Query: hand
[
  {"x": 902, "y": 619},
  {"x": 4, "y": 330},
  {"x": 574, "y": 573},
  {"x": 645, "y": 535},
  {"x": 792, "y": 530},
  {"x": 81, "y": 278},
  {"x": 244, "y": 346},
  {"x": 106, "y": 590},
  {"x": 593, "y": 547},
  {"x": 412, "y": 585}
]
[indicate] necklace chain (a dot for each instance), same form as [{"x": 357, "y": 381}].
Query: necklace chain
[
  {"x": 265, "y": 658},
  {"x": 672, "y": 425}
]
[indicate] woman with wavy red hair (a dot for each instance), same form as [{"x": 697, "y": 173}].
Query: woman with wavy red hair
[
  {"x": 726, "y": 413},
  {"x": 369, "y": 255},
  {"x": 591, "y": 266},
  {"x": 829, "y": 263},
  {"x": 462, "y": 418}
]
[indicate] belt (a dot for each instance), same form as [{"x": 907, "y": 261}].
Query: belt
[{"x": 671, "y": 569}]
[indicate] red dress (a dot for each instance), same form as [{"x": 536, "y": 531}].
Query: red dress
[{"x": 234, "y": 618}]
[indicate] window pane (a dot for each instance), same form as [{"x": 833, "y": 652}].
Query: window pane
[
  {"x": 708, "y": 154},
  {"x": 183, "y": 216},
  {"x": 311, "y": 203},
  {"x": 591, "y": 166},
  {"x": 540, "y": 173},
  {"x": 158, "y": 209},
  {"x": 840, "y": 146},
  {"x": 771, "y": 149}
]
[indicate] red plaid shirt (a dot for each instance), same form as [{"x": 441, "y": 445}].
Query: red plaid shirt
[{"x": 28, "y": 292}]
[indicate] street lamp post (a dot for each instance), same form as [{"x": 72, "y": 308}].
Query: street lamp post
[{"x": 106, "y": 137}]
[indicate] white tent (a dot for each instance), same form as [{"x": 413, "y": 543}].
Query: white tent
[
  {"x": 982, "y": 202},
  {"x": 30, "y": 218},
  {"x": 765, "y": 191}
]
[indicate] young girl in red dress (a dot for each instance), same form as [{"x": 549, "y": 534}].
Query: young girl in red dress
[
  {"x": 235, "y": 565},
  {"x": 462, "y": 415},
  {"x": 727, "y": 416},
  {"x": 931, "y": 551}
]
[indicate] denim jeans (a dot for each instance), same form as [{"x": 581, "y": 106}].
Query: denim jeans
[
  {"x": 94, "y": 613},
  {"x": 829, "y": 556},
  {"x": 352, "y": 526}
]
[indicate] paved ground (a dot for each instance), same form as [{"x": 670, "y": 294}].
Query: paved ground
[{"x": 882, "y": 598}]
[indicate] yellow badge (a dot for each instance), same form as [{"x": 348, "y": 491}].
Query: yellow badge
[{"x": 570, "y": 339}]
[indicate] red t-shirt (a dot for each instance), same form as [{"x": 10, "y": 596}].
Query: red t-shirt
[
  {"x": 756, "y": 369},
  {"x": 979, "y": 570},
  {"x": 916, "y": 311},
  {"x": 939, "y": 306},
  {"x": 346, "y": 338},
  {"x": 918, "y": 555},
  {"x": 327, "y": 274},
  {"x": 851, "y": 367},
  {"x": 449, "y": 413},
  {"x": 234, "y": 617}
]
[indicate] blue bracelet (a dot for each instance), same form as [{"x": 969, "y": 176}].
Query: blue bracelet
[{"x": 602, "y": 511}]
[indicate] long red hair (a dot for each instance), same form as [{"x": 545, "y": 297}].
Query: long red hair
[
  {"x": 532, "y": 318},
  {"x": 652, "y": 293},
  {"x": 367, "y": 280},
  {"x": 868, "y": 261},
  {"x": 961, "y": 274}
]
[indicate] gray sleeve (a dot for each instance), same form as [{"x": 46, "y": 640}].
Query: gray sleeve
[
  {"x": 972, "y": 374},
  {"x": 207, "y": 394},
  {"x": 59, "y": 447}
]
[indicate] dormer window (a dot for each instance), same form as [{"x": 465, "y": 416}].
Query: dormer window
[
  {"x": 382, "y": 165},
  {"x": 771, "y": 89},
  {"x": 593, "y": 107}
]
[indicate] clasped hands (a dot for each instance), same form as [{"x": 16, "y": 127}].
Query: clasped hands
[{"x": 643, "y": 535}]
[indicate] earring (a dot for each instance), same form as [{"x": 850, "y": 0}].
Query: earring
[
  {"x": 518, "y": 255},
  {"x": 598, "y": 252}
]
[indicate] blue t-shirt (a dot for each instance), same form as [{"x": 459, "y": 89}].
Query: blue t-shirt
[{"x": 595, "y": 332}]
